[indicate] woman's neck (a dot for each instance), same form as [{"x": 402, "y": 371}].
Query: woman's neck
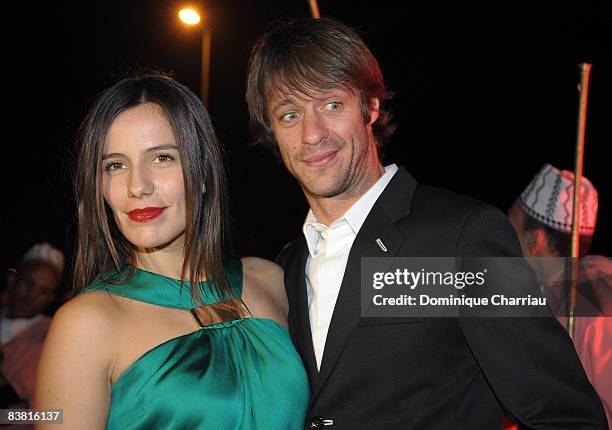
[{"x": 167, "y": 260}]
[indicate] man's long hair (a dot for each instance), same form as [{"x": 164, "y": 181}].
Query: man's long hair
[{"x": 302, "y": 57}]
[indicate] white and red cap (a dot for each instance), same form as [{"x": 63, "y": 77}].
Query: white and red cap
[{"x": 549, "y": 199}]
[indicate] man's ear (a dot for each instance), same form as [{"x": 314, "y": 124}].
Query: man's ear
[
  {"x": 536, "y": 242},
  {"x": 374, "y": 110}
]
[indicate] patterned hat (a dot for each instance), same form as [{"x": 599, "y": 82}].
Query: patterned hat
[{"x": 549, "y": 199}]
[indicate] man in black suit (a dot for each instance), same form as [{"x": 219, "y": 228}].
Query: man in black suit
[{"x": 316, "y": 94}]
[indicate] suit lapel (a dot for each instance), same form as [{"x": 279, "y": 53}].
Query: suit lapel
[
  {"x": 298, "y": 312},
  {"x": 347, "y": 311},
  {"x": 392, "y": 205}
]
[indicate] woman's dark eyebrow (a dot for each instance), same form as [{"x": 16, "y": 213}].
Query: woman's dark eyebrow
[{"x": 151, "y": 149}]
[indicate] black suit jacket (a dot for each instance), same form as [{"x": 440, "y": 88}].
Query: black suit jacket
[{"x": 436, "y": 373}]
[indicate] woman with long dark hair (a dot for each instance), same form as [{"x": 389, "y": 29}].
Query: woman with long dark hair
[{"x": 167, "y": 331}]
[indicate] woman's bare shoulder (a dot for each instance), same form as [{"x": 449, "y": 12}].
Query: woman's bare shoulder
[
  {"x": 99, "y": 306},
  {"x": 264, "y": 289},
  {"x": 76, "y": 361},
  {"x": 261, "y": 266},
  {"x": 88, "y": 320}
]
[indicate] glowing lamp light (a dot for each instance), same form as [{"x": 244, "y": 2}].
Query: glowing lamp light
[{"x": 189, "y": 16}]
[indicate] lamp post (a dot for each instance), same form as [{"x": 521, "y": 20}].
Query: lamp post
[
  {"x": 191, "y": 17},
  {"x": 314, "y": 9}
]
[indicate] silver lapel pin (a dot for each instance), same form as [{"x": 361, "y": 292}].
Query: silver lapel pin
[{"x": 381, "y": 245}]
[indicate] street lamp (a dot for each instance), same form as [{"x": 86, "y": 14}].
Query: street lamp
[
  {"x": 191, "y": 17},
  {"x": 314, "y": 9}
]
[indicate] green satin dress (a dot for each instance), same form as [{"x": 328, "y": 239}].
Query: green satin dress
[{"x": 237, "y": 374}]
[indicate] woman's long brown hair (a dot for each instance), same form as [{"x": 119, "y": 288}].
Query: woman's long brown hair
[{"x": 101, "y": 248}]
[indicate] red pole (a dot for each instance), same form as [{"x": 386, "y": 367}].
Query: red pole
[{"x": 585, "y": 70}]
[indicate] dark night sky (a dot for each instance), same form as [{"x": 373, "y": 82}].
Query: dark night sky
[{"x": 483, "y": 98}]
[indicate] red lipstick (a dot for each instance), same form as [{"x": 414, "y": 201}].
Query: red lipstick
[{"x": 145, "y": 214}]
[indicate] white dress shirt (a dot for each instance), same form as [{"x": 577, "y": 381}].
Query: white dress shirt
[{"x": 329, "y": 248}]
